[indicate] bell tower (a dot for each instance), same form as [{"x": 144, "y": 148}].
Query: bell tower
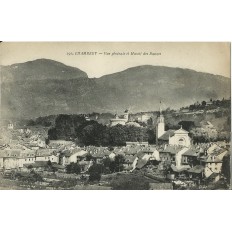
[
  {"x": 160, "y": 125},
  {"x": 126, "y": 115}
]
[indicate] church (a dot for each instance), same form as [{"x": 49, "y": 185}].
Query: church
[{"x": 172, "y": 137}]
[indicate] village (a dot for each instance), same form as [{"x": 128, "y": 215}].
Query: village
[{"x": 173, "y": 162}]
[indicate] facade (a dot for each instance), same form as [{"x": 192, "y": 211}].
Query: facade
[
  {"x": 180, "y": 138},
  {"x": 213, "y": 162},
  {"x": 160, "y": 127},
  {"x": 16, "y": 158},
  {"x": 177, "y": 138},
  {"x": 10, "y": 126},
  {"x": 120, "y": 120}
]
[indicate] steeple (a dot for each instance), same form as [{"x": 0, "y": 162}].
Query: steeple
[
  {"x": 161, "y": 117},
  {"x": 160, "y": 126},
  {"x": 160, "y": 109}
]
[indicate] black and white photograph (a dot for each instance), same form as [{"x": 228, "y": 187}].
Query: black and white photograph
[{"x": 115, "y": 116}]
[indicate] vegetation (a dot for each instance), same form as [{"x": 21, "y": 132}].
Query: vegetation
[
  {"x": 129, "y": 182},
  {"x": 226, "y": 168},
  {"x": 212, "y": 105},
  {"x": 30, "y": 178},
  {"x": 95, "y": 172},
  {"x": 76, "y": 128},
  {"x": 73, "y": 168}
]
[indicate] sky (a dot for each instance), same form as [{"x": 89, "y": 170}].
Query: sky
[{"x": 110, "y": 57}]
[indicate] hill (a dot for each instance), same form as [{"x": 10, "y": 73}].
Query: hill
[{"x": 45, "y": 87}]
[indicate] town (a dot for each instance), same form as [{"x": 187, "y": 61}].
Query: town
[{"x": 120, "y": 154}]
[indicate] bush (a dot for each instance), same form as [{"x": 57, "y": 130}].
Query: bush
[
  {"x": 129, "y": 182},
  {"x": 95, "y": 172},
  {"x": 73, "y": 168}
]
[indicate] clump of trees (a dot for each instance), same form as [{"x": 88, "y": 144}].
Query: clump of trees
[
  {"x": 85, "y": 133},
  {"x": 30, "y": 178},
  {"x": 73, "y": 168},
  {"x": 224, "y": 103},
  {"x": 226, "y": 168},
  {"x": 95, "y": 172}
]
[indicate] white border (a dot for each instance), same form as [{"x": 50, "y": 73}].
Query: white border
[{"x": 115, "y": 21}]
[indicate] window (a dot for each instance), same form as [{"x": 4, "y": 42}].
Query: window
[
  {"x": 25, "y": 159},
  {"x": 181, "y": 142},
  {"x": 29, "y": 159}
]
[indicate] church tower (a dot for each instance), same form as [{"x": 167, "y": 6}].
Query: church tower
[
  {"x": 126, "y": 115},
  {"x": 160, "y": 126}
]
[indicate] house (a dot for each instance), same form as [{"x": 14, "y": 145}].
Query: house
[
  {"x": 100, "y": 154},
  {"x": 172, "y": 154},
  {"x": 213, "y": 162},
  {"x": 196, "y": 172},
  {"x": 152, "y": 153},
  {"x": 47, "y": 154},
  {"x": 144, "y": 118},
  {"x": 128, "y": 162},
  {"x": 112, "y": 155},
  {"x": 85, "y": 165},
  {"x": 64, "y": 157},
  {"x": 16, "y": 158},
  {"x": 77, "y": 154},
  {"x": 190, "y": 157},
  {"x": 179, "y": 171},
  {"x": 10, "y": 126}
]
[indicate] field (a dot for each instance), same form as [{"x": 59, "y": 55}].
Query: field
[{"x": 115, "y": 181}]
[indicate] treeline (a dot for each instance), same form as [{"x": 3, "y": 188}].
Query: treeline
[
  {"x": 85, "y": 133},
  {"x": 212, "y": 104}
]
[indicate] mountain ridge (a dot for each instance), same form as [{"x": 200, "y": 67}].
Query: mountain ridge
[{"x": 42, "y": 87}]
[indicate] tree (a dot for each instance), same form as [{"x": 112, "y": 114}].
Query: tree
[
  {"x": 88, "y": 157},
  {"x": 203, "y": 103},
  {"x": 226, "y": 167},
  {"x": 107, "y": 164},
  {"x": 49, "y": 163},
  {"x": 73, "y": 168},
  {"x": 118, "y": 161},
  {"x": 95, "y": 172}
]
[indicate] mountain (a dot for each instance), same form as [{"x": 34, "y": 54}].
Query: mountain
[{"x": 45, "y": 87}]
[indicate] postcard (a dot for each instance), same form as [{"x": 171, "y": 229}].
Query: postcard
[{"x": 115, "y": 115}]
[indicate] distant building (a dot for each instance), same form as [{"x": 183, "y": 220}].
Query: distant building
[
  {"x": 136, "y": 143},
  {"x": 144, "y": 118},
  {"x": 120, "y": 120},
  {"x": 10, "y": 126}
]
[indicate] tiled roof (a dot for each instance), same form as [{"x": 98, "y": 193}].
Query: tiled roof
[
  {"x": 129, "y": 159},
  {"x": 149, "y": 149},
  {"x": 181, "y": 131},
  {"x": 166, "y": 135},
  {"x": 141, "y": 163},
  {"x": 44, "y": 152},
  {"x": 196, "y": 169},
  {"x": 190, "y": 152},
  {"x": 172, "y": 149},
  {"x": 180, "y": 169}
]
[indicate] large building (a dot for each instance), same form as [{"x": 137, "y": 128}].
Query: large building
[
  {"x": 120, "y": 120},
  {"x": 179, "y": 137}
]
